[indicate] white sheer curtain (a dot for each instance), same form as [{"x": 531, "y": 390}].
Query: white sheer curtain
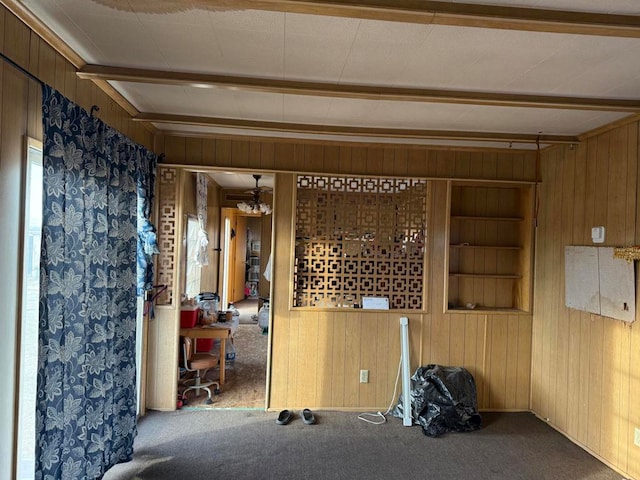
[{"x": 202, "y": 256}]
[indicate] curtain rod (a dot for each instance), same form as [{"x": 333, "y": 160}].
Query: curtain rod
[
  {"x": 94, "y": 108},
  {"x": 21, "y": 69}
]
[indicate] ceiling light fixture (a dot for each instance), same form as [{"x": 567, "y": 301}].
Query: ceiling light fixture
[{"x": 255, "y": 205}]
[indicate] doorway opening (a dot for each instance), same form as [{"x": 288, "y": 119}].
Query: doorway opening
[{"x": 239, "y": 249}]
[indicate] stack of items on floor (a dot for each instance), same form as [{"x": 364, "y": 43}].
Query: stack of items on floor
[{"x": 443, "y": 399}]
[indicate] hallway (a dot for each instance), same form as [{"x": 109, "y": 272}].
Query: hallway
[{"x": 246, "y": 377}]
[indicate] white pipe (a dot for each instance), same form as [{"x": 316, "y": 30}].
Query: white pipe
[{"x": 407, "y": 420}]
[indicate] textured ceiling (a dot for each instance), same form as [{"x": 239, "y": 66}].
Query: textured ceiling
[{"x": 224, "y": 38}]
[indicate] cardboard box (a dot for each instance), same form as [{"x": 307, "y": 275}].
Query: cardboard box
[{"x": 189, "y": 316}]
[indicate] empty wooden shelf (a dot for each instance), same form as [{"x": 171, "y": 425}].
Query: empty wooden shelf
[{"x": 489, "y": 250}]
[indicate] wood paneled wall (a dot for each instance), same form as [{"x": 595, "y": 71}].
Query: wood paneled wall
[
  {"x": 264, "y": 285},
  {"x": 317, "y": 354},
  {"x": 586, "y": 368},
  {"x": 20, "y": 116},
  {"x": 403, "y": 161}
]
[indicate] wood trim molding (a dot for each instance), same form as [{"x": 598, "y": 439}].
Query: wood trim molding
[
  {"x": 107, "y": 88},
  {"x": 516, "y": 148},
  {"x": 354, "y": 131},
  {"x": 609, "y": 126},
  {"x": 364, "y": 92},
  {"x": 410, "y": 11},
  {"x": 463, "y": 14}
]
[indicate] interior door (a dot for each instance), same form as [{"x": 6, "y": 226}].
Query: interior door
[{"x": 240, "y": 260}]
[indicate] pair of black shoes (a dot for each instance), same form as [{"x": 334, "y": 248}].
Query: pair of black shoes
[{"x": 285, "y": 416}]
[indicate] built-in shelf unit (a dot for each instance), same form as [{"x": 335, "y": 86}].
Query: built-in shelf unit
[
  {"x": 489, "y": 248},
  {"x": 253, "y": 270}
]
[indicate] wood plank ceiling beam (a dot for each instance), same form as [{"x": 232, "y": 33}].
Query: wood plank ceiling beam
[
  {"x": 365, "y": 92},
  {"x": 302, "y": 128},
  {"x": 452, "y": 13}
]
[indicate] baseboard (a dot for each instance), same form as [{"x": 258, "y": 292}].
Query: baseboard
[{"x": 505, "y": 410}]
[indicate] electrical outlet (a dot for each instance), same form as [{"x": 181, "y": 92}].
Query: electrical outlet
[
  {"x": 364, "y": 376},
  {"x": 636, "y": 437}
]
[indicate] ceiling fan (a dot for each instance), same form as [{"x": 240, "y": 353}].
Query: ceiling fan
[{"x": 255, "y": 205}]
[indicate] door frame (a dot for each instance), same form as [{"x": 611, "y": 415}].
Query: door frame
[{"x": 157, "y": 339}]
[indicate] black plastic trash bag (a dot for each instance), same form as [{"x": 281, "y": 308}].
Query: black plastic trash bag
[{"x": 443, "y": 399}]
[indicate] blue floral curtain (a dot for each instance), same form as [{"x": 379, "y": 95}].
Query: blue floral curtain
[{"x": 86, "y": 405}]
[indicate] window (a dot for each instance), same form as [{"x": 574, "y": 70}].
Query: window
[
  {"x": 193, "y": 270},
  {"x": 360, "y": 237},
  {"x": 29, "y": 315}
]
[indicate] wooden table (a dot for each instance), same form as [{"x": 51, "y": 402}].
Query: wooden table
[{"x": 216, "y": 331}]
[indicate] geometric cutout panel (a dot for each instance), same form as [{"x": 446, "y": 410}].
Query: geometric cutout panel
[
  {"x": 167, "y": 228},
  {"x": 360, "y": 237}
]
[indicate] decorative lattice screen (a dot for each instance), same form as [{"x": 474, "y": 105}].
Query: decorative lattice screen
[
  {"x": 167, "y": 225},
  {"x": 359, "y": 237}
]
